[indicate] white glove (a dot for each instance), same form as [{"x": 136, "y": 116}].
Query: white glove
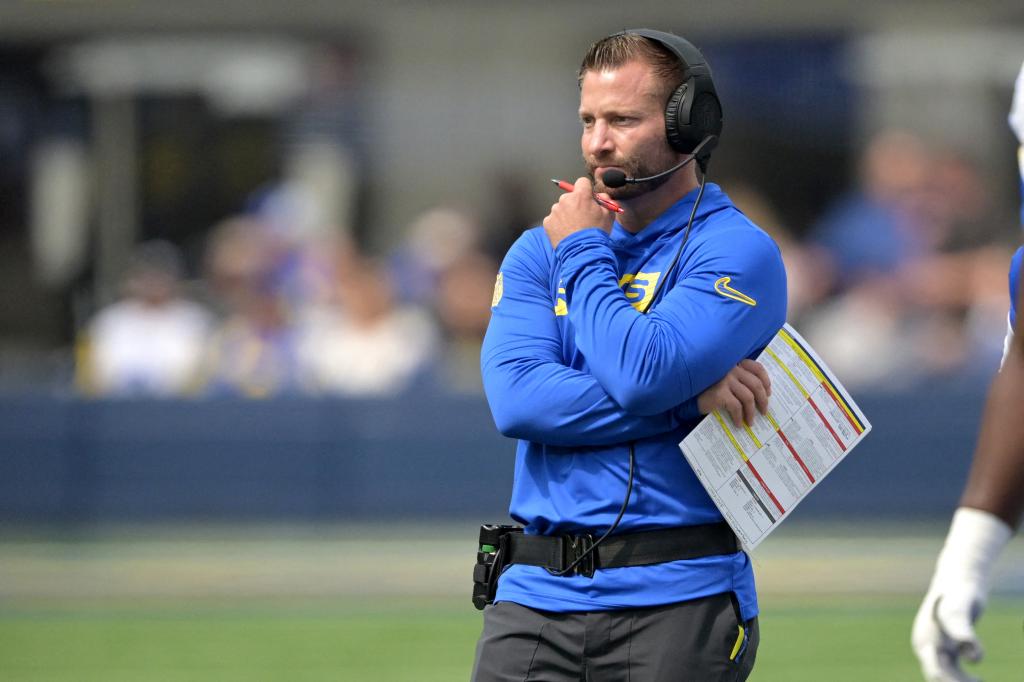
[
  {"x": 944, "y": 627},
  {"x": 1016, "y": 116}
]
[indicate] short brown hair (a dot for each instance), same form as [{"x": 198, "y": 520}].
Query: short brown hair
[{"x": 619, "y": 49}]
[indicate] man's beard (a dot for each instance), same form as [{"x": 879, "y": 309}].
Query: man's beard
[{"x": 633, "y": 169}]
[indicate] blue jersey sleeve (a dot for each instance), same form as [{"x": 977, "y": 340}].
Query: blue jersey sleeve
[
  {"x": 1015, "y": 266},
  {"x": 729, "y": 300},
  {"x": 533, "y": 395}
]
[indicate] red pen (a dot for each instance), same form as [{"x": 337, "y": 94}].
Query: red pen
[{"x": 607, "y": 203}]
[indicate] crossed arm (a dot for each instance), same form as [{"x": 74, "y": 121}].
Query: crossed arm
[{"x": 535, "y": 396}]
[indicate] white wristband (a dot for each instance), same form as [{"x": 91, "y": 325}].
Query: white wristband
[{"x": 974, "y": 542}]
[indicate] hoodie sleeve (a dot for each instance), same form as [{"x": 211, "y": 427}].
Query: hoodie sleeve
[{"x": 533, "y": 395}]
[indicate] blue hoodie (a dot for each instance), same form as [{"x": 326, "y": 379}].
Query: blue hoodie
[{"x": 576, "y": 372}]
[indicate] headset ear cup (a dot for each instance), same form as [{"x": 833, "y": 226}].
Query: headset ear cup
[
  {"x": 673, "y": 124},
  {"x": 706, "y": 116},
  {"x": 704, "y": 120}
]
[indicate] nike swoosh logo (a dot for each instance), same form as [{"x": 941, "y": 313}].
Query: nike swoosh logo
[{"x": 723, "y": 288}]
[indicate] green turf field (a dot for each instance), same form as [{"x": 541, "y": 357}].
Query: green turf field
[
  {"x": 341, "y": 607},
  {"x": 838, "y": 639}
]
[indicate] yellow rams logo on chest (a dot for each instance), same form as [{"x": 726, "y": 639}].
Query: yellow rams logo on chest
[{"x": 638, "y": 288}]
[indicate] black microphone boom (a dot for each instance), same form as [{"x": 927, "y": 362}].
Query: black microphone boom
[{"x": 615, "y": 178}]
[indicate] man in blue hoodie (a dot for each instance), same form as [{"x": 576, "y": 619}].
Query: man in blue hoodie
[{"x": 611, "y": 334}]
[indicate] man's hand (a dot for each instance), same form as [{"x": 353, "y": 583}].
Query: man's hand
[
  {"x": 575, "y": 211},
  {"x": 743, "y": 390},
  {"x": 944, "y": 631}
]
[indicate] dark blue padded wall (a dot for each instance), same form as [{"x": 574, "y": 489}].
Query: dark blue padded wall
[{"x": 422, "y": 456}]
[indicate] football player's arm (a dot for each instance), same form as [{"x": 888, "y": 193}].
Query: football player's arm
[
  {"x": 728, "y": 304},
  {"x": 991, "y": 505},
  {"x": 996, "y": 482},
  {"x": 533, "y": 395},
  {"x": 989, "y": 512}
]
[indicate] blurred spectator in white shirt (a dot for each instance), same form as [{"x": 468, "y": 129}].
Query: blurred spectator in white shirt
[
  {"x": 367, "y": 344},
  {"x": 151, "y": 342}
]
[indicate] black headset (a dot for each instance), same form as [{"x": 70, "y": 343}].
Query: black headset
[{"x": 693, "y": 112}]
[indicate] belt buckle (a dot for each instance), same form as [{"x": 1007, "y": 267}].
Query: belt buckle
[{"x": 576, "y": 546}]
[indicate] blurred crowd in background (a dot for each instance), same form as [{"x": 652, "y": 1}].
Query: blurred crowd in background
[
  {"x": 902, "y": 279},
  {"x": 193, "y": 214},
  {"x": 274, "y": 311}
]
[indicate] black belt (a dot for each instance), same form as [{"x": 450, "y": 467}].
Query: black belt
[{"x": 557, "y": 552}]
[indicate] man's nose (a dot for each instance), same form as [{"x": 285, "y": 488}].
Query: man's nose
[{"x": 598, "y": 141}]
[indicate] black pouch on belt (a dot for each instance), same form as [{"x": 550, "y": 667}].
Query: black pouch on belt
[{"x": 491, "y": 559}]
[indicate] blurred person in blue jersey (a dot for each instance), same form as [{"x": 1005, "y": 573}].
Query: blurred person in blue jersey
[
  {"x": 992, "y": 503},
  {"x": 254, "y": 350},
  {"x": 917, "y": 288},
  {"x": 611, "y": 334}
]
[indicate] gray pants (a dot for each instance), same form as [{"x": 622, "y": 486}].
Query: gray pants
[{"x": 697, "y": 640}]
